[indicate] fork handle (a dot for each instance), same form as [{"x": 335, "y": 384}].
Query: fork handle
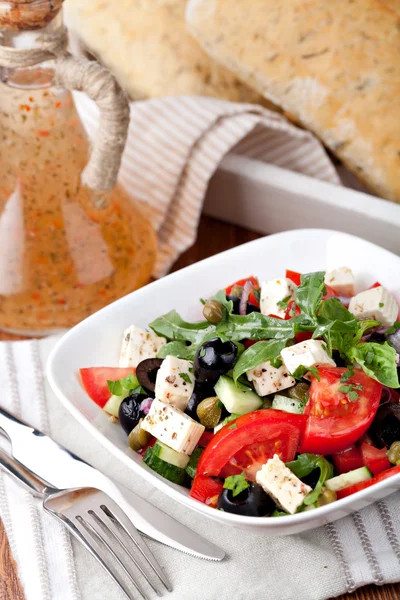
[{"x": 20, "y": 474}]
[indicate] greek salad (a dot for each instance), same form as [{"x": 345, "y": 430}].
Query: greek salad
[{"x": 284, "y": 398}]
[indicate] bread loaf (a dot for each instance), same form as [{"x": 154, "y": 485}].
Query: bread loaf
[
  {"x": 334, "y": 65},
  {"x": 146, "y": 45}
]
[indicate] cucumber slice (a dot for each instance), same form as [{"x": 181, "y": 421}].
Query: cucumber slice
[
  {"x": 112, "y": 405},
  {"x": 351, "y": 478},
  {"x": 194, "y": 461},
  {"x": 237, "y": 398},
  {"x": 290, "y": 405},
  {"x": 170, "y": 472},
  {"x": 167, "y": 454},
  {"x": 225, "y": 422}
]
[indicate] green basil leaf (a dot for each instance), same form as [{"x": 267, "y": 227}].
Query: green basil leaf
[
  {"x": 306, "y": 464},
  {"x": 236, "y": 483},
  {"x": 310, "y": 291},
  {"x": 378, "y": 361},
  {"x": 257, "y": 354},
  {"x": 173, "y": 327},
  {"x": 115, "y": 387}
]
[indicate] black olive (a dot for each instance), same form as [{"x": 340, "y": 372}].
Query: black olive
[
  {"x": 385, "y": 428},
  {"x": 236, "y": 305},
  {"x": 200, "y": 392},
  {"x": 213, "y": 359},
  {"x": 146, "y": 372},
  {"x": 252, "y": 502},
  {"x": 129, "y": 411}
]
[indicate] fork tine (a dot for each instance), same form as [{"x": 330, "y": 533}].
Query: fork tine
[
  {"x": 122, "y": 523},
  {"x": 90, "y": 529},
  {"x": 94, "y": 550},
  {"x": 118, "y": 539}
]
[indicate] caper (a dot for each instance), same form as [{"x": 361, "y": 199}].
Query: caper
[
  {"x": 138, "y": 437},
  {"x": 326, "y": 497},
  {"x": 236, "y": 291},
  {"x": 393, "y": 453},
  {"x": 209, "y": 412},
  {"x": 299, "y": 392},
  {"x": 213, "y": 311}
]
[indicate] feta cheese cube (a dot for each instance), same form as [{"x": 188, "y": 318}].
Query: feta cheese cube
[
  {"x": 273, "y": 292},
  {"x": 268, "y": 379},
  {"x": 341, "y": 280},
  {"x": 287, "y": 490},
  {"x": 139, "y": 345},
  {"x": 377, "y": 304},
  {"x": 175, "y": 382},
  {"x": 173, "y": 427},
  {"x": 310, "y": 353}
]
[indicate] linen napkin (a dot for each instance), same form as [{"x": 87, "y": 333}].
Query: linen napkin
[
  {"x": 176, "y": 144},
  {"x": 337, "y": 558}
]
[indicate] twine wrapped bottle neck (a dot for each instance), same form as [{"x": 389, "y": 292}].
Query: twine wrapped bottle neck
[{"x": 101, "y": 172}]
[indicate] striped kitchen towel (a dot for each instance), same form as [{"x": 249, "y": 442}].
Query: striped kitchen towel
[
  {"x": 339, "y": 557},
  {"x": 176, "y": 144}
]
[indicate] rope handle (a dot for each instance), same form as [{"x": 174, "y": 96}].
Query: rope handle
[{"x": 101, "y": 172}]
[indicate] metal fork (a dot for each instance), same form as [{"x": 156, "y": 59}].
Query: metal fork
[{"x": 99, "y": 524}]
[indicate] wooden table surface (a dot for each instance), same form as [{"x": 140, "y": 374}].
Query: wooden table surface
[{"x": 214, "y": 236}]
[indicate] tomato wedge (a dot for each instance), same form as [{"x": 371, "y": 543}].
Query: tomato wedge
[
  {"x": 348, "y": 460},
  {"x": 206, "y": 490},
  {"x": 352, "y": 489},
  {"x": 334, "y": 422},
  {"x": 293, "y": 276},
  {"x": 241, "y": 282},
  {"x": 374, "y": 458},
  {"x": 250, "y": 439},
  {"x": 94, "y": 380}
]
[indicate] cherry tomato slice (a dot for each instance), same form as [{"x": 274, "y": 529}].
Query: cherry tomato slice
[
  {"x": 241, "y": 282},
  {"x": 374, "y": 458},
  {"x": 334, "y": 421},
  {"x": 262, "y": 433},
  {"x": 348, "y": 460},
  {"x": 352, "y": 489},
  {"x": 94, "y": 380}
]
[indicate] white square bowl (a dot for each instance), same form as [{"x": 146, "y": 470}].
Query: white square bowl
[{"x": 96, "y": 342}]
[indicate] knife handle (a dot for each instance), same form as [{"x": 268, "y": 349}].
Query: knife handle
[{"x": 22, "y": 475}]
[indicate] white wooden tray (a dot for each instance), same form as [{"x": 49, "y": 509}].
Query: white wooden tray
[{"x": 268, "y": 199}]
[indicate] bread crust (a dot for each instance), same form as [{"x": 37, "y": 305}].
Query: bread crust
[
  {"x": 146, "y": 44},
  {"x": 333, "y": 65}
]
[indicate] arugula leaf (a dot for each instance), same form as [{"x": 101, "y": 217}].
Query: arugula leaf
[
  {"x": 236, "y": 483},
  {"x": 257, "y": 294},
  {"x": 309, "y": 293},
  {"x": 257, "y": 354},
  {"x": 178, "y": 349},
  {"x": 306, "y": 464},
  {"x": 363, "y": 327},
  {"x": 336, "y": 325},
  {"x": 378, "y": 361},
  {"x": 256, "y": 326},
  {"x": 302, "y": 370},
  {"x": 173, "y": 327},
  {"x": 393, "y": 328},
  {"x": 221, "y": 297}
]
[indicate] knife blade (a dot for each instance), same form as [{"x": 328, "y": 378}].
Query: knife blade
[{"x": 54, "y": 465}]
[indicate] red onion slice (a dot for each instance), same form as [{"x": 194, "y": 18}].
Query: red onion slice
[
  {"x": 248, "y": 286},
  {"x": 145, "y": 405}
]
